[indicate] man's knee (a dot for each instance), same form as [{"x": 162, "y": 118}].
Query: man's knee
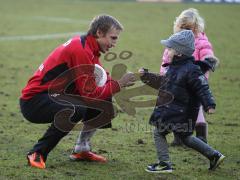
[{"x": 67, "y": 118}]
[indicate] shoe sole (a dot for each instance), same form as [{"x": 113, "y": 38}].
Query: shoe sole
[
  {"x": 220, "y": 160},
  {"x": 29, "y": 164},
  {"x": 72, "y": 158},
  {"x": 160, "y": 172}
]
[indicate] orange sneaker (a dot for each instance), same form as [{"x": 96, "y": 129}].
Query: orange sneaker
[
  {"x": 36, "y": 160},
  {"x": 87, "y": 156}
]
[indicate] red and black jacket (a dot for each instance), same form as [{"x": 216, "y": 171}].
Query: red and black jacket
[{"x": 71, "y": 67}]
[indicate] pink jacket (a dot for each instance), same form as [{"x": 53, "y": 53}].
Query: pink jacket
[{"x": 203, "y": 49}]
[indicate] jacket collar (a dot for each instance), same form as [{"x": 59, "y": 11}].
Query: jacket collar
[
  {"x": 93, "y": 45},
  {"x": 201, "y": 36},
  {"x": 181, "y": 60}
]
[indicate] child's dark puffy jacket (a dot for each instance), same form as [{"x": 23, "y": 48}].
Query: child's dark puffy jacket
[{"x": 188, "y": 87}]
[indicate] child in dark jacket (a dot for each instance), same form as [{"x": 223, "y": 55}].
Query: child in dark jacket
[{"x": 189, "y": 88}]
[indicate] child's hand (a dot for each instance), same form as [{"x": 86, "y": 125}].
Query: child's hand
[
  {"x": 141, "y": 71},
  {"x": 211, "y": 111}
]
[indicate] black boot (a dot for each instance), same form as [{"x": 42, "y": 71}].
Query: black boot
[
  {"x": 201, "y": 131},
  {"x": 176, "y": 141}
]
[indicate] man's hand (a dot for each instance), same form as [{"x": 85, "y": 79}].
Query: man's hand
[
  {"x": 211, "y": 111},
  {"x": 127, "y": 79}
]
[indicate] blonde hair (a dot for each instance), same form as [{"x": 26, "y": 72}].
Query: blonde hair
[
  {"x": 191, "y": 20},
  {"x": 104, "y": 23}
]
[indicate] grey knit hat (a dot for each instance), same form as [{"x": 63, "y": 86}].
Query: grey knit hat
[{"x": 182, "y": 42}]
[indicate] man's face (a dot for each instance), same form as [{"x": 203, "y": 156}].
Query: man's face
[{"x": 108, "y": 40}]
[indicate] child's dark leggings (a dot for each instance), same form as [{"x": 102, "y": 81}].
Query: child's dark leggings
[{"x": 189, "y": 141}]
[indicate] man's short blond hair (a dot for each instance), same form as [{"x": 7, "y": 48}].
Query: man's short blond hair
[{"x": 104, "y": 23}]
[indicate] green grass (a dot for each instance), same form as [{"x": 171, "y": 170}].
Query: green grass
[{"x": 145, "y": 24}]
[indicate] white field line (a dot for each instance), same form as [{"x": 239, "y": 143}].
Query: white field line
[
  {"x": 60, "y": 20},
  {"x": 39, "y": 37}
]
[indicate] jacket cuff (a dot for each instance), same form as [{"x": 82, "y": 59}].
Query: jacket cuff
[
  {"x": 115, "y": 86},
  {"x": 209, "y": 107}
]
